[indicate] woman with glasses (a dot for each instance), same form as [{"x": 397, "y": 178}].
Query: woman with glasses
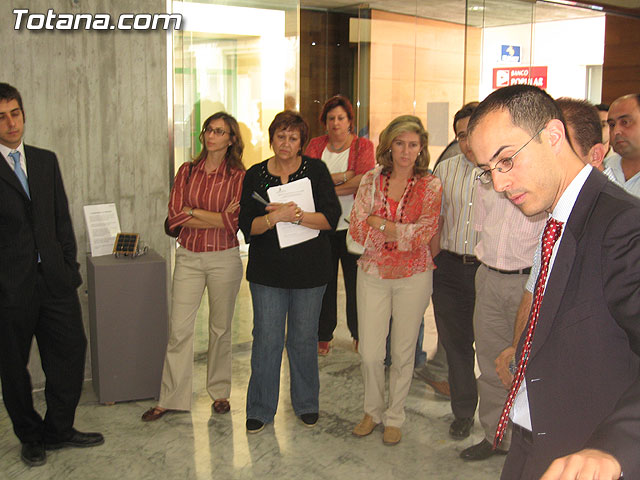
[
  {"x": 347, "y": 157},
  {"x": 287, "y": 282},
  {"x": 204, "y": 202},
  {"x": 395, "y": 216}
]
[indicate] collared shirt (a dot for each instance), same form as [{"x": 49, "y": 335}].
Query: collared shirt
[
  {"x": 5, "y": 151},
  {"x": 210, "y": 191},
  {"x": 520, "y": 413},
  {"x": 507, "y": 237},
  {"x": 458, "y": 178},
  {"x": 416, "y": 217},
  {"x": 614, "y": 165}
]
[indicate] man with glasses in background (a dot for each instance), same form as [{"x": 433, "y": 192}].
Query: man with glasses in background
[{"x": 453, "y": 280}]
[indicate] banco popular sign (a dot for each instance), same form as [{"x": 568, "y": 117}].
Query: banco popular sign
[{"x": 503, "y": 77}]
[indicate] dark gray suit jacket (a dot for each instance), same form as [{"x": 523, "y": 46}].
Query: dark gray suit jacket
[
  {"x": 583, "y": 377},
  {"x": 40, "y": 225}
]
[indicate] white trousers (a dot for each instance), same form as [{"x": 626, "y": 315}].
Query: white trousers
[
  {"x": 221, "y": 273},
  {"x": 406, "y": 299}
]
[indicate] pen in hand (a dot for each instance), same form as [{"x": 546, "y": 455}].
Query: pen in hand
[{"x": 256, "y": 196}]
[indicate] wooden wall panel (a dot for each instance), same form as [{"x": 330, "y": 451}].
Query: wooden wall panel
[{"x": 621, "y": 68}]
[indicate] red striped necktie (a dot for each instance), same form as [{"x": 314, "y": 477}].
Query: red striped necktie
[{"x": 550, "y": 236}]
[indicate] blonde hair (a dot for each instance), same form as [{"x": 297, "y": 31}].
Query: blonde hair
[{"x": 398, "y": 126}]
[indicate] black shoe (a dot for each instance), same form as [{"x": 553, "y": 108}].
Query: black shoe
[
  {"x": 461, "y": 428},
  {"x": 78, "y": 440},
  {"x": 33, "y": 454},
  {"x": 309, "y": 419},
  {"x": 481, "y": 451},
  {"x": 254, "y": 426}
]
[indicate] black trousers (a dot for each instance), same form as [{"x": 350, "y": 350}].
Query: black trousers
[
  {"x": 57, "y": 326},
  {"x": 329, "y": 313},
  {"x": 453, "y": 300}
]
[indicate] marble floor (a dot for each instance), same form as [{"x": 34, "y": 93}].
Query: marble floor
[{"x": 202, "y": 445}]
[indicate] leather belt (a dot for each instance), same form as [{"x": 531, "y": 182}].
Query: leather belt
[
  {"x": 522, "y": 271},
  {"x": 527, "y": 435},
  {"x": 466, "y": 259}
]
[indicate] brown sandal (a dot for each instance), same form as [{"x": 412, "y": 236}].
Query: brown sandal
[
  {"x": 221, "y": 406},
  {"x": 154, "y": 413},
  {"x": 324, "y": 348}
]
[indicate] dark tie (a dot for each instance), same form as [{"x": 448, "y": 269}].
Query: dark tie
[
  {"x": 549, "y": 237},
  {"x": 15, "y": 156}
]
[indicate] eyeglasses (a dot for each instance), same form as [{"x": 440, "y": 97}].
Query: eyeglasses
[
  {"x": 218, "y": 132},
  {"x": 505, "y": 164}
]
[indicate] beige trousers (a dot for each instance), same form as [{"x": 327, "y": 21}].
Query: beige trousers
[
  {"x": 406, "y": 299},
  {"x": 221, "y": 273}
]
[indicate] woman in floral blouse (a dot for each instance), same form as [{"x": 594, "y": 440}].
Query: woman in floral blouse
[{"x": 395, "y": 215}]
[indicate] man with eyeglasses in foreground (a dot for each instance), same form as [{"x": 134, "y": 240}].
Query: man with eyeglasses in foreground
[
  {"x": 585, "y": 135},
  {"x": 575, "y": 400}
]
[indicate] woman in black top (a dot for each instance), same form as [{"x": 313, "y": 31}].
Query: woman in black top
[{"x": 287, "y": 284}]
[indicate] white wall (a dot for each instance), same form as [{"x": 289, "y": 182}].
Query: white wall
[{"x": 566, "y": 47}]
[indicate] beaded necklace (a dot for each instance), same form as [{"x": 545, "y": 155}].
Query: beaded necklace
[{"x": 390, "y": 246}]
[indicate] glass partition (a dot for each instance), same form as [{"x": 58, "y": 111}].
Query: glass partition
[
  {"x": 238, "y": 57},
  {"x": 241, "y": 57}
]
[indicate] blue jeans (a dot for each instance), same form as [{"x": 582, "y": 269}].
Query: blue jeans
[{"x": 300, "y": 309}]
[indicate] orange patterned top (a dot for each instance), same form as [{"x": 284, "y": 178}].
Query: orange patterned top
[{"x": 418, "y": 211}]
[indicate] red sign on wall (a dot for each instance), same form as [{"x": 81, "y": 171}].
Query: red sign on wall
[{"x": 503, "y": 77}]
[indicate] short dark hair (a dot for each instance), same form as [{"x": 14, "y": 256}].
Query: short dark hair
[
  {"x": 293, "y": 120},
  {"x": 530, "y": 108},
  {"x": 466, "y": 111},
  {"x": 8, "y": 92},
  {"x": 602, "y": 107},
  {"x": 333, "y": 102},
  {"x": 583, "y": 118}
]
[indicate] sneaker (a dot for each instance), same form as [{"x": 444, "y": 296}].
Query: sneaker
[
  {"x": 254, "y": 426},
  {"x": 309, "y": 419}
]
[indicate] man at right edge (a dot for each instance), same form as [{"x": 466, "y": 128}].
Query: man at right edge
[{"x": 576, "y": 413}]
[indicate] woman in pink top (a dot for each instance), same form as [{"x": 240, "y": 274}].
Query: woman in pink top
[
  {"x": 204, "y": 202},
  {"x": 347, "y": 157},
  {"x": 395, "y": 215}
]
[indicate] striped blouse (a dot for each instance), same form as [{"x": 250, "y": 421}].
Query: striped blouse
[{"x": 213, "y": 192}]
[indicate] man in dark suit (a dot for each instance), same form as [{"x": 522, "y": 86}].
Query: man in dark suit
[
  {"x": 577, "y": 412},
  {"x": 38, "y": 281}
]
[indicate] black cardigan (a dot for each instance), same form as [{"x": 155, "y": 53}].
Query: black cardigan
[{"x": 305, "y": 265}]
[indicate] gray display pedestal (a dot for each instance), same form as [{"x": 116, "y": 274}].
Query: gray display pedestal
[{"x": 128, "y": 319}]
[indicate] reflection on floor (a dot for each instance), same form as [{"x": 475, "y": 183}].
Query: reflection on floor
[{"x": 202, "y": 445}]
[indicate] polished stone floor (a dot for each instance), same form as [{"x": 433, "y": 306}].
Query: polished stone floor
[{"x": 202, "y": 445}]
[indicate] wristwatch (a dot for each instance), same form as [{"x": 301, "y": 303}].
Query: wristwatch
[
  {"x": 191, "y": 212},
  {"x": 383, "y": 225}
]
